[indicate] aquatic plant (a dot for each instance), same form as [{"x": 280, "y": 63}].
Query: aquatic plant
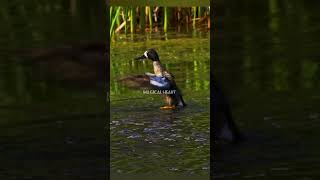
[{"x": 149, "y": 19}]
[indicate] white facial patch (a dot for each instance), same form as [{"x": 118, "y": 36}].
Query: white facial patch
[{"x": 146, "y": 54}]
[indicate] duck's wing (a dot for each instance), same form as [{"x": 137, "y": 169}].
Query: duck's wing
[
  {"x": 147, "y": 81},
  {"x": 136, "y": 81}
]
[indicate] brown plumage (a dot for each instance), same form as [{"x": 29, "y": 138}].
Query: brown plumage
[{"x": 137, "y": 82}]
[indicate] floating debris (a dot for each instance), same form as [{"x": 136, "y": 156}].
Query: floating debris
[
  {"x": 205, "y": 168},
  {"x": 173, "y": 169},
  {"x": 134, "y": 136},
  {"x": 168, "y": 139},
  {"x": 200, "y": 139}
]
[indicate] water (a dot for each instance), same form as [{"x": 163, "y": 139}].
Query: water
[
  {"x": 145, "y": 139},
  {"x": 52, "y": 117},
  {"x": 267, "y": 58}
]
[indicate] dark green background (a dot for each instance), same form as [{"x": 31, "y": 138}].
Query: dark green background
[
  {"x": 51, "y": 126},
  {"x": 266, "y": 56}
]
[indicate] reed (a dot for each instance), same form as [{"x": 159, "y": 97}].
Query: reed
[
  {"x": 113, "y": 20},
  {"x": 165, "y": 26},
  {"x": 199, "y": 11},
  {"x": 156, "y": 18},
  {"x": 194, "y": 17},
  {"x": 125, "y": 19},
  {"x": 131, "y": 19},
  {"x": 110, "y": 16},
  {"x": 150, "y": 18}
]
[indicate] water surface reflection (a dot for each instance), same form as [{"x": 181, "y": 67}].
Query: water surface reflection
[
  {"x": 268, "y": 60},
  {"x": 50, "y": 117}
]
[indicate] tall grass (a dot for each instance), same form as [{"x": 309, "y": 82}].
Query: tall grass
[
  {"x": 114, "y": 19},
  {"x": 137, "y": 18},
  {"x": 132, "y": 14},
  {"x": 165, "y": 23},
  {"x": 150, "y": 17}
]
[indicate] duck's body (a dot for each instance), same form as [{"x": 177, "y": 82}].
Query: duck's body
[
  {"x": 172, "y": 100},
  {"x": 161, "y": 80},
  {"x": 82, "y": 64},
  {"x": 224, "y": 127}
]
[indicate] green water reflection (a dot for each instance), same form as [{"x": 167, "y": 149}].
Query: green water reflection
[
  {"x": 267, "y": 58},
  {"x": 51, "y": 125},
  {"x": 145, "y": 139}
]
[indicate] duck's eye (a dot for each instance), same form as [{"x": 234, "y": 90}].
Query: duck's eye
[{"x": 146, "y": 54}]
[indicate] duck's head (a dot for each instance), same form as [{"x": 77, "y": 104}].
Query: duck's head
[{"x": 150, "y": 54}]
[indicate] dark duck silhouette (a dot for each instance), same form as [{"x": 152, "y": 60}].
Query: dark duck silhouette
[
  {"x": 82, "y": 64},
  {"x": 160, "y": 80},
  {"x": 224, "y": 127}
]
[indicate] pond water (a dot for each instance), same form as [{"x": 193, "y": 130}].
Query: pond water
[
  {"x": 267, "y": 58},
  {"x": 52, "y": 124},
  {"x": 145, "y": 139}
]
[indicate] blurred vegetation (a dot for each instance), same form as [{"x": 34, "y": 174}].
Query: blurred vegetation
[
  {"x": 35, "y": 24},
  {"x": 274, "y": 42},
  {"x": 42, "y": 115},
  {"x": 266, "y": 55}
]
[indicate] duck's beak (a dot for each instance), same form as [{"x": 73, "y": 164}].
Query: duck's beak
[{"x": 141, "y": 57}]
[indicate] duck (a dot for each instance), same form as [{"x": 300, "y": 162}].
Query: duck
[
  {"x": 161, "y": 80},
  {"x": 225, "y": 128},
  {"x": 80, "y": 64}
]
